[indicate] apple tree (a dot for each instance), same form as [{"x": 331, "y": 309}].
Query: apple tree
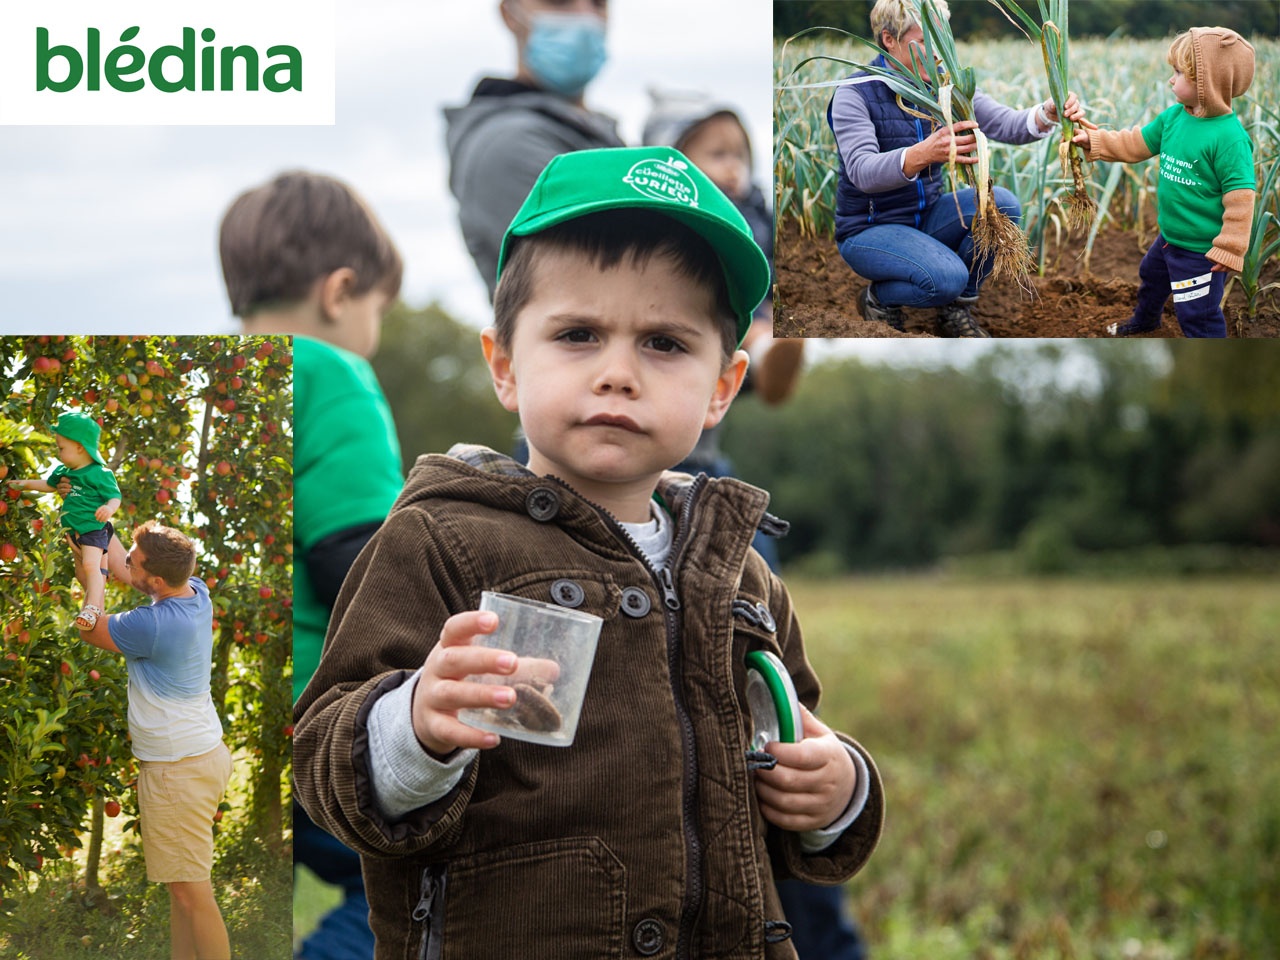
[{"x": 197, "y": 432}]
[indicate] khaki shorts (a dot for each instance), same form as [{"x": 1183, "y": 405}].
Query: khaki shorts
[{"x": 177, "y": 801}]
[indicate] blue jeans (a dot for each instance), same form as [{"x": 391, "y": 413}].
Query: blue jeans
[{"x": 930, "y": 266}]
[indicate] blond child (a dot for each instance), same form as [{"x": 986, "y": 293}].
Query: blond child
[{"x": 1205, "y": 194}]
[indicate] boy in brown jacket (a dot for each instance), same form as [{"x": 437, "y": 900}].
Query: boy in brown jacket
[
  {"x": 626, "y": 283},
  {"x": 1206, "y": 190}
]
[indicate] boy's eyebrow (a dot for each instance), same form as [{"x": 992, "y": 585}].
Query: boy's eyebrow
[{"x": 669, "y": 326}]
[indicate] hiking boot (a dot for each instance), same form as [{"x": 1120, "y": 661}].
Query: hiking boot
[
  {"x": 956, "y": 320},
  {"x": 872, "y": 309},
  {"x": 1132, "y": 327}
]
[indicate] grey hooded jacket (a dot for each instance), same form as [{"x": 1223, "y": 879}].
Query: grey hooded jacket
[{"x": 498, "y": 144}]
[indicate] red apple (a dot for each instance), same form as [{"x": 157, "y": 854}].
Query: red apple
[
  {"x": 65, "y": 668},
  {"x": 162, "y": 496},
  {"x": 223, "y": 468},
  {"x": 94, "y": 675},
  {"x": 8, "y": 552},
  {"x": 111, "y": 808},
  {"x": 265, "y": 592}
]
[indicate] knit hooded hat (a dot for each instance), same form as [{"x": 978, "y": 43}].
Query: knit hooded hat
[{"x": 1224, "y": 67}]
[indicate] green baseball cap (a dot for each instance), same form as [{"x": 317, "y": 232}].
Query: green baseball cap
[
  {"x": 661, "y": 179},
  {"x": 84, "y": 430}
]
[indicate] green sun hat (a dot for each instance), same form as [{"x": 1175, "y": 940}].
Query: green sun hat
[
  {"x": 84, "y": 430},
  {"x": 661, "y": 179}
]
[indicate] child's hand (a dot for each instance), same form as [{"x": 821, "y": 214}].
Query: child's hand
[
  {"x": 443, "y": 690},
  {"x": 104, "y": 513},
  {"x": 812, "y": 783}
]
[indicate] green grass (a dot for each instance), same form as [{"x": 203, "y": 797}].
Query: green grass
[
  {"x": 1072, "y": 768},
  {"x": 312, "y": 899},
  {"x": 253, "y": 886}
]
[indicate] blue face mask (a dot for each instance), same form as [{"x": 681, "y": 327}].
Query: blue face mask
[{"x": 565, "y": 50}]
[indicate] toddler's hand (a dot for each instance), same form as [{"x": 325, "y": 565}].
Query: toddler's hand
[
  {"x": 443, "y": 690},
  {"x": 104, "y": 513},
  {"x": 812, "y": 783}
]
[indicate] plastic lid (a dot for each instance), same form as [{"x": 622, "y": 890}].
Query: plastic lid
[{"x": 771, "y": 697}]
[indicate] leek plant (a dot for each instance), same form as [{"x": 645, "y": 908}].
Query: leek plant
[
  {"x": 1264, "y": 234},
  {"x": 1052, "y": 35}
]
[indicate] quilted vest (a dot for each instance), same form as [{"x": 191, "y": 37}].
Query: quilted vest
[{"x": 855, "y": 210}]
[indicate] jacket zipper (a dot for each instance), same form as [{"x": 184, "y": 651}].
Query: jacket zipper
[
  {"x": 692, "y": 905},
  {"x": 427, "y": 912}
]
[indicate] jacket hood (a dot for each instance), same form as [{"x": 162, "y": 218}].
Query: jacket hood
[{"x": 1224, "y": 68}]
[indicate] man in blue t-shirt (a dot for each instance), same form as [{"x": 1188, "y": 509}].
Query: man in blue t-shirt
[{"x": 176, "y": 735}]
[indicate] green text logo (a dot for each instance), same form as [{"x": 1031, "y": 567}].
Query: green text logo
[{"x": 127, "y": 67}]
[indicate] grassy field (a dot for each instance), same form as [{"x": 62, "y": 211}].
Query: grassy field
[
  {"x": 1072, "y": 768},
  {"x": 50, "y": 922}
]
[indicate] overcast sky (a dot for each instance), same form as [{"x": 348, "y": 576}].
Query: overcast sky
[{"x": 114, "y": 229}]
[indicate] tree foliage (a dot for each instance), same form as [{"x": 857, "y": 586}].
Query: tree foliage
[
  {"x": 197, "y": 432},
  {"x": 1112, "y": 447}
]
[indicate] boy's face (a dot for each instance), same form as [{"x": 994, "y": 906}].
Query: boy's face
[
  {"x": 71, "y": 453},
  {"x": 614, "y": 374},
  {"x": 719, "y": 148},
  {"x": 1184, "y": 89}
]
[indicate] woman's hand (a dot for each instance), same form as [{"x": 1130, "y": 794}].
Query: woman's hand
[{"x": 936, "y": 148}]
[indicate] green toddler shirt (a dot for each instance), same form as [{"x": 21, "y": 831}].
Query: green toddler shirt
[
  {"x": 1201, "y": 158},
  {"x": 346, "y": 472},
  {"x": 91, "y": 487}
]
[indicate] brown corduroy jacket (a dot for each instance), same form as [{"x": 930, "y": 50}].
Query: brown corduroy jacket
[{"x": 644, "y": 837}]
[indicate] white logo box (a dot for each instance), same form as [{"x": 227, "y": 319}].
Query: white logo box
[{"x": 188, "y": 41}]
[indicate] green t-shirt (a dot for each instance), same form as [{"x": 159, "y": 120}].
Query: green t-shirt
[
  {"x": 1201, "y": 158},
  {"x": 346, "y": 472},
  {"x": 91, "y": 487}
]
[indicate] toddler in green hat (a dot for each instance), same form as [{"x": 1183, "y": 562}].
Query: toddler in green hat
[
  {"x": 87, "y": 509},
  {"x": 625, "y": 285}
]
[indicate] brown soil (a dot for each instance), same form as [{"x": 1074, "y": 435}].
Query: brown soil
[{"x": 817, "y": 292}]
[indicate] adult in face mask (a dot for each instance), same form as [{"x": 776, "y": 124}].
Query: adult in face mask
[{"x": 501, "y": 139}]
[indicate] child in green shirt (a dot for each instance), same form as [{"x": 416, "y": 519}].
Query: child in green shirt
[
  {"x": 87, "y": 509},
  {"x": 1206, "y": 190}
]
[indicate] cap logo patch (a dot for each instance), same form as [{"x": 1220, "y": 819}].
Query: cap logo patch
[{"x": 663, "y": 180}]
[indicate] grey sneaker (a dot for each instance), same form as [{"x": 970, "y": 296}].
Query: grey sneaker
[
  {"x": 872, "y": 309},
  {"x": 956, "y": 320}
]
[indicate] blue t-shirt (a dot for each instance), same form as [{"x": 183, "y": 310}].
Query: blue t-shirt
[{"x": 168, "y": 650}]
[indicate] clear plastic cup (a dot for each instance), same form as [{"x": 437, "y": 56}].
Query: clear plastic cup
[{"x": 555, "y": 647}]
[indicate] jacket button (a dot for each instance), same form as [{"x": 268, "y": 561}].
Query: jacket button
[
  {"x": 648, "y": 937},
  {"x": 635, "y": 602},
  {"x": 766, "y": 618},
  {"x": 567, "y": 593},
  {"x": 542, "y": 504}
]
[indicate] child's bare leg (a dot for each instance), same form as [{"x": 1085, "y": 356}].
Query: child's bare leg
[{"x": 91, "y": 560}]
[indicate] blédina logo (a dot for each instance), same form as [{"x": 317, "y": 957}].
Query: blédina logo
[
  {"x": 127, "y": 67},
  {"x": 143, "y": 62}
]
